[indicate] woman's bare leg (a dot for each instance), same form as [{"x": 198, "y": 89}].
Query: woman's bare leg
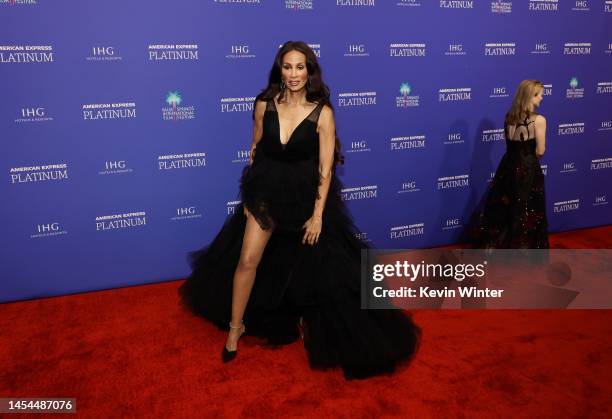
[{"x": 253, "y": 245}]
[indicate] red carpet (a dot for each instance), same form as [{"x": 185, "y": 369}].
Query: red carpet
[{"x": 134, "y": 352}]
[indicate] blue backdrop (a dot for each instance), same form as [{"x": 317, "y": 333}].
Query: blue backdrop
[{"x": 125, "y": 125}]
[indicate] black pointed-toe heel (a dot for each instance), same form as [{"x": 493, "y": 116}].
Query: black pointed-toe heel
[{"x": 227, "y": 355}]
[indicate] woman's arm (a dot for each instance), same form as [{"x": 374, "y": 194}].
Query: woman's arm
[
  {"x": 327, "y": 144},
  {"x": 540, "y": 135},
  {"x": 260, "y": 108}
]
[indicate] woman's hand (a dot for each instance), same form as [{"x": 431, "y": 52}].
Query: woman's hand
[{"x": 313, "y": 230}]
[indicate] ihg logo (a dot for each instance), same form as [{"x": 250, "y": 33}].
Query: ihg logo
[
  {"x": 240, "y": 49},
  {"x": 103, "y": 51},
  {"x": 117, "y": 164},
  {"x": 358, "y": 145},
  {"x": 354, "y": 48},
  {"x": 453, "y": 222},
  {"x": 185, "y": 211},
  {"x": 32, "y": 112},
  {"x": 46, "y": 228}
]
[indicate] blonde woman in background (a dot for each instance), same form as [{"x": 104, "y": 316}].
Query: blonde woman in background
[{"x": 514, "y": 213}]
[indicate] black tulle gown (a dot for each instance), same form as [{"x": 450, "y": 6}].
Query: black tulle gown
[
  {"x": 320, "y": 283},
  {"x": 514, "y": 212}
]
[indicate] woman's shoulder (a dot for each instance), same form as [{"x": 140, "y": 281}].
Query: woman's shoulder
[
  {"x": 260, "y": 104},
  {"x": 538, "y": 118},
  {"x": 326, "y": 110}
]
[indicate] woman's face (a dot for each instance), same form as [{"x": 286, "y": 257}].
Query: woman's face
[
  {"x": 537, "y": 99},
  {"x": 294, "y": 72}
]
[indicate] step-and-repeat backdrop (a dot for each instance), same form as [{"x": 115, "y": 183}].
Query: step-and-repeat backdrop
[{"x": 125, "y": 124}]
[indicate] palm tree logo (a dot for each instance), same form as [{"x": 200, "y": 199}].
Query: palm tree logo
[
  {"x": 405, "y": 90},
  {"x": 574, "y": 82},
  {"x": 174, "y": 99}
]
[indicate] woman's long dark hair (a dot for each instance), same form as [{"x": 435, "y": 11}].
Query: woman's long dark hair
[{"x": 316, "y": 90}]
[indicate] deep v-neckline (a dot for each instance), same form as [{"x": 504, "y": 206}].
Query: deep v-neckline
[{"x": 294, "y": 129}]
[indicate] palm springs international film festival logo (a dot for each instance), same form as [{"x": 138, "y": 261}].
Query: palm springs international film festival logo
[
  {"x": 406, "y": 100},
  {"x": 298, "y": 5},
  {"x": 173, "y": 52},
  {"x": 175, "y": 112},
  {"x": 11, "y": 54},
  {"x": 123, "y": 110},
  {"x": 500, "y": 6},
  {"x": 608, "y": 6},
  {"x": 574, "y": 92}
]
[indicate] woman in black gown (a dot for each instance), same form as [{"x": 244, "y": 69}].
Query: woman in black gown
[
  {"x": 288, "y": 261},
  {"x": 514, "y": 212}
]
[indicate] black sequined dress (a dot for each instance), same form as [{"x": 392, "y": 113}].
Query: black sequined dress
[{"x": 514, "y": 211}]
